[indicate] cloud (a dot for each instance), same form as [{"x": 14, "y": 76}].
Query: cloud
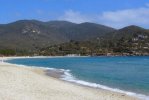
[
  {"x": 121, "y": 18},
  {"x": 39, "y": 11},
  {"x": 147, "y": 4},
  {"x": 74, "y": 16},
  {"x": 17, "y": 14},
  {"x": 116, "y": 19}
]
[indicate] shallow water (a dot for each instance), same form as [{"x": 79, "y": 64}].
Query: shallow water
[{"x": 124, "y": 73}]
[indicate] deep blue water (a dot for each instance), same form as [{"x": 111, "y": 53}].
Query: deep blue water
[{"x": 125, "y": 73}]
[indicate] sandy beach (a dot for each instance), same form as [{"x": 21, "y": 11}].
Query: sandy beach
[{"x": 25, "y": 83}]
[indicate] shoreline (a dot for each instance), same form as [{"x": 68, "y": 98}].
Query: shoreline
[
  {"x": 68, "y": 77},
  {"x": 42, "y": 71}
]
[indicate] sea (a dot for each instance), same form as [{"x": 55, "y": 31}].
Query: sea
[{"x": 124, "y": 74}]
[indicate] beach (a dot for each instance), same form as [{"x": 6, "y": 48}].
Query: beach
[{"x": 27, "y": 83}]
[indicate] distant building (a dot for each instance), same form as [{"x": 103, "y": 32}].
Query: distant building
[
  {"x": 135, "y": 39},
  {"x": 140, "y": 36}
]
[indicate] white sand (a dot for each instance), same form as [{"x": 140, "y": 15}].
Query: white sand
[{"x": 22, "y": 83}]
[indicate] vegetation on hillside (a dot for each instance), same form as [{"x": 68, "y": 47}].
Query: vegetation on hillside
[
  {"x": 131, "y": 40},
  {"x": 7, "y": 52},
  {"x": 31, "y": 37},
  {"x": 33, "y": 34}
]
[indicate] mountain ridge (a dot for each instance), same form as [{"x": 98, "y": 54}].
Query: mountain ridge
[{"x": 33, "y": 33}]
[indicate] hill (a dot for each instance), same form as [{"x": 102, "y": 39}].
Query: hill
[
  {"x": 62, "y": 37},
  {"x": 131, "y": 40},
  {"x": 32, "y": 34}
]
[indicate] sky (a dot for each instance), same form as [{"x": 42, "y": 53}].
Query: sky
[{"x": 114, "y": 13}]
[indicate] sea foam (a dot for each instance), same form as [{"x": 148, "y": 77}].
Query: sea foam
[
  {"x": 70, "y": 78},
  {"x": 67, "y": 76}
]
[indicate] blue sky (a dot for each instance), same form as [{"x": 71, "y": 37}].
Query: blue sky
[{"x": 114, "y": 13}]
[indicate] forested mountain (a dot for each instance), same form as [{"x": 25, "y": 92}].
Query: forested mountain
[
  {"x": 131, "y": 40},
  {"x": 62, "y": 37},
  {"x": 33, "y": 34}
]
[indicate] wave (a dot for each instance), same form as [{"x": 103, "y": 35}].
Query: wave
[
  {"x": 67, "y": 76},
  {"x": 70, "y": 78}
]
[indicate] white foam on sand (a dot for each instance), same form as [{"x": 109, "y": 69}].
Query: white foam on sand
[{"x": 70, "y": 78}]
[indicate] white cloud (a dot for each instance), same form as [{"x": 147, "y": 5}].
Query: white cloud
[
  {"x": 121, "y": 18},
  {"x": 116, "y": 19},
  {"x": 147, "y": 4},
  {"x": 74, "y": 16},
  {"x": 40, "y": 12},
  {"x": 17, "y": 14}
]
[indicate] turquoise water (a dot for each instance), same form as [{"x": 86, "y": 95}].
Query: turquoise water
[{"x": 124, "y": 73}]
